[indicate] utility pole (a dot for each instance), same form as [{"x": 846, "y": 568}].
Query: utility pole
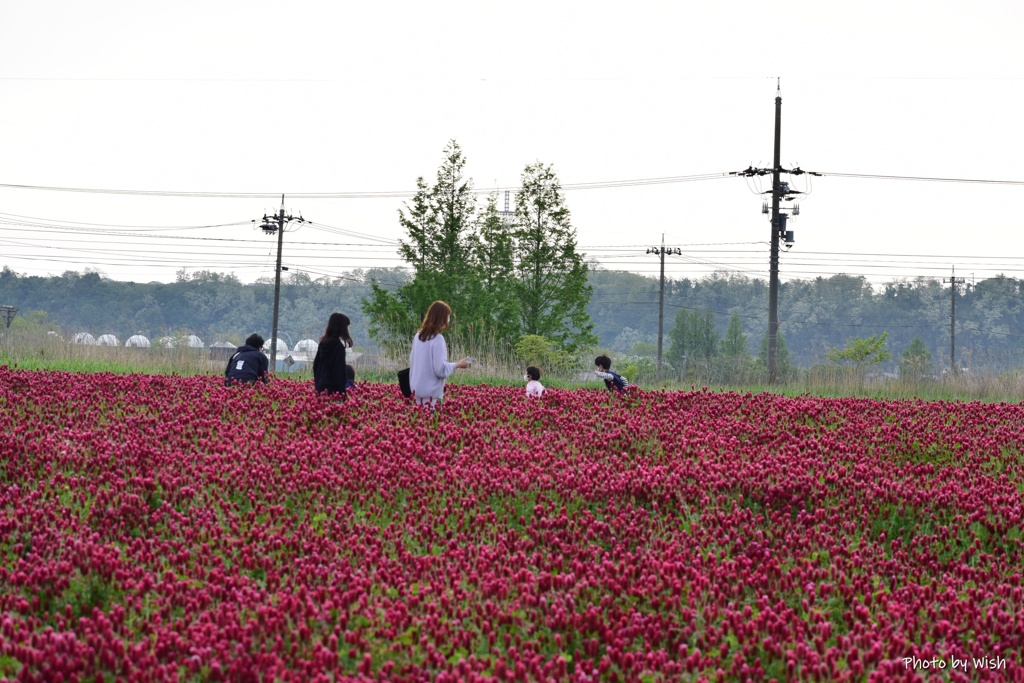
[
  {"x": 953, "y": 280},
  {"x": 780, "y": 191},
  {"x": 661, "y": 293},
  {"x": 271, "y": 224},
  {"x": 773, "y": 258},
  {"x": 507, "y": 213}
]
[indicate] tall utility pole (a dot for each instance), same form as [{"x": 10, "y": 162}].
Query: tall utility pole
[
  {"x": 271, "y": 224},
  {"x": 507, "y": 213},
  {"x": 780, "y": 191},
  {"x": 953, "y": 280},
  {"x": 661, "y": 293},
  {"x": 773, "y": 258}
]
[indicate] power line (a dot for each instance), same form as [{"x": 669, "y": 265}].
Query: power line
[
  {"x": 110, "y": 225},
  {"x": 972, "y": 181},
  {"x": 735, "y": 255},
  {"x": 401, "y": 194},
  {"x": 392, "y": 194}
]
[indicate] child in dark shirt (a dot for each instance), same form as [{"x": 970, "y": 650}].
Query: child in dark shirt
[{"x": 614, "y": 381}]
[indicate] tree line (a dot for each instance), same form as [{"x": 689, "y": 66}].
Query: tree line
[
  {"x": 518, "y": 279},
  {"x": 817, "y": 315}
]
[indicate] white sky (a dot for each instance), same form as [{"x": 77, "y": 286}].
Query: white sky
[{"x": 331, "y": 97}]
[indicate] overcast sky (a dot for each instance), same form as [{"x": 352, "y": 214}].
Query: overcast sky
[{"x": 348, "y": 98}]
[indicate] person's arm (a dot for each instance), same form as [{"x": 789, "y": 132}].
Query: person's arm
[
  {"x": 439, "y": 358},
  {"x": 603, "y": 375},
  {"x": 227, "y": 368}
]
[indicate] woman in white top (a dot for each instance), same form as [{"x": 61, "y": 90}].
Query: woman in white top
[{"x": 428, "y": 360}]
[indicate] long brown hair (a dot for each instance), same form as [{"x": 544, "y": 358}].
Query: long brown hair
[
  {"x": 435, "y": 321},
  {"x": 337, "y": 328}
]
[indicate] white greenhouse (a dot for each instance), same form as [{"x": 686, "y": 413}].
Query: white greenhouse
[
  {"x": 306, "y": 347},
  {"x": 189, "y": 342},
  {"x": 282, "y": 348},
  {"x": 137, "y": 341},
  {"x": 84, "y": 338},
  {"x": 107, "y": 340}
]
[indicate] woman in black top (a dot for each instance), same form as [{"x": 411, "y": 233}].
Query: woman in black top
[{"x": 329, "y": 363}]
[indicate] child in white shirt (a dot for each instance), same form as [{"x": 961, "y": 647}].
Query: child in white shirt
[{"x": 534, "y": 389}]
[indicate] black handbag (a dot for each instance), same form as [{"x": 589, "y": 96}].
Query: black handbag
[{"x": 403, "y": 383}]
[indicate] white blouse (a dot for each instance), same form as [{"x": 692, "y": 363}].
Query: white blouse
[{"x": 428, "y": 369}]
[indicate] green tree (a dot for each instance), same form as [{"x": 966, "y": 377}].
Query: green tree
[
  {"x": 735, "y": 343},
  {"x": 735, "y": 358},
  {"x": 703, "y": 342},
  {"x": 784, "y": 366},
  {"x": 916, "y": 361},
  {"x": 534, "y": 349},
  {"x": 693, "y": 341},
  {"x": 493, "y": 249},
  {"x": 551, "y": 275},
  {"x": 439, "y": 226},
  {"x": 679, "y": 338},
  {"x": 862, "y": 352}
]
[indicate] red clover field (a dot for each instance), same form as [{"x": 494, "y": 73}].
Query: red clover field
[{"x": 164, "y": 528}]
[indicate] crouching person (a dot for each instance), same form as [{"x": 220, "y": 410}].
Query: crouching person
[{"x": 249, "y": 364}]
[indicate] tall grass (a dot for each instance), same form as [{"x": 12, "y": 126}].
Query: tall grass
[
  {"x": 496, "y": 364},
  {"x": 841, "y": 382},
  {"x": 33, "y": 351}
]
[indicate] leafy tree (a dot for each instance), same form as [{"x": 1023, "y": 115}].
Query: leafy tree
[
  {"x": 627, "y": 340},
  {"x": 439, "y": 223},
  {"x": 208, "y": 294},
  {"x": 704, "y": 339},
  {"x": 916, "y": 361},
  {"x": 735, "y": 358},
  {"x": 694, "y": 335},
  {"x": 637, "y": 370},
  {"x": 693, "y": 340},
  {"x": 534, "y": 349},
  {"x": 645, "y": 349},
  {"x": 392, "y": 321},
  {"x": 784, "y": 366},
  {"x": 735, "y": 343},
  {"x": 33, "y": 322},
  {"x": 493, "y": 250},
  {"x": 679, "y": 338},
  {"x": 862, "y": 352},
  {"x": 148, "y": 317},
  {"x": 551, "y": 275}
]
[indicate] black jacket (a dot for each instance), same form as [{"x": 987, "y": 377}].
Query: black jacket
[
  {"x": 246, "y": 366},
  {"x": 329, "y": 367}
]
